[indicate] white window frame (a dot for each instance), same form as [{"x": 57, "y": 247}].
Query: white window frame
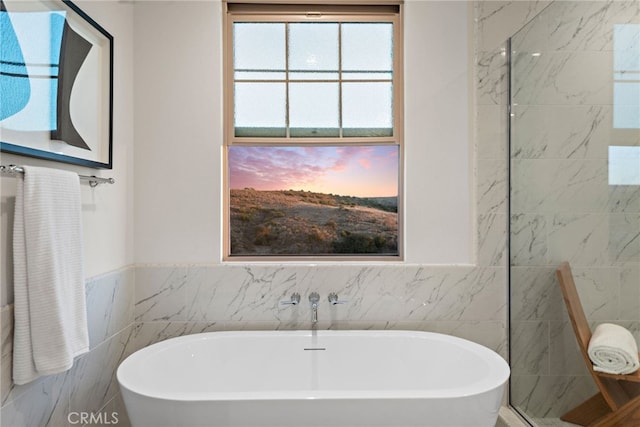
[{"x": 283, "y": 11}]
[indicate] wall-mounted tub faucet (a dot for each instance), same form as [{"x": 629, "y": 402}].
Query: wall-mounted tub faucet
[
  {"x": 294, "y": 300},
  {"x": 313, "y": 299},
  {"x": 333, "y": 299}
]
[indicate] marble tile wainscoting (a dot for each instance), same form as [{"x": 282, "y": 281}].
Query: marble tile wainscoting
[
  {"x": 462, "y": 301},
  {"x": 90, "y": 386}
]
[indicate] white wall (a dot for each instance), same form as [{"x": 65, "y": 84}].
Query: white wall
[
  {"x": 178, "y": 112},
  {"x": 438, "y": 149},
  {"x": 108, "y": 209},
  {"x": 178, "y": 109}
]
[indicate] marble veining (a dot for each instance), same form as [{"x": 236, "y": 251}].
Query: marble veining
[
  {"x": 498, "y": 20},
  {"x": 581, "y": 239},
  {"x": 111, "y": 300},
  {"x": 95, "y": 382},
  {"x": 90, "y": 383},
  {"x": 565, "y": 357},
  {"x": 492, "y": 78},
  {"x": 160, "y": 293},
  {"x": 563, "y": 208},
  {"x": 624, "y": 237},
  {"x": 579, "y": 25},
  {"x": 561, "y": 131},
  {"x": 492, "y": 186},
  {"x": 554, "y": 78},
  {"x": 492, "y": 238},
  {"x": 532, "y": 340},
  {"x": 236, "y": 297},
  {"x": 535, "y": 294},
  {"x": 558, "y": 185},
  {"x": 528, "y": 239},
  {"x": 624, "y": 198}
]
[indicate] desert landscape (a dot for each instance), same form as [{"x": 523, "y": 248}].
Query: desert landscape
[{"x": 297, "y": 222}]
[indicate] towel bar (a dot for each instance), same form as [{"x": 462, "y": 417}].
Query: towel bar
[{"x": 93, "y": 181}]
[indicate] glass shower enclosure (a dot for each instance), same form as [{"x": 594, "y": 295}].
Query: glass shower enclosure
[{"x": 574, "y": 155}]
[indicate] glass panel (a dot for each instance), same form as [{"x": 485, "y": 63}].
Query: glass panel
[
  {"x": 626, "y": 102},
  {"x": 309, "y": 200},
  {"x": 567, "y": 201},
  {"x": 260, "y": 109},
  {"x": 367, "y": 109},
  {"x": 314, "y": 109},
  {"x": 367, "y": 47},
  {"x": 259, "y": 46},
  {"x": 626, "y": 45},
  {"x": 314, "y": 75},
  {"x": 313, "y": 47},
  {"x": 366, "y": 75},
  {"x": 626, "y": 67},
  {"x": 624, "y": 165},
  {"x": 259, "y": 75}
]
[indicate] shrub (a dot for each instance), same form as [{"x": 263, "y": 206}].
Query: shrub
[
  {"x": 379, "y": 241},
  {"x": 315, "y": 235},
  {"x": 264, "y": 236},
  {"x": 355, "y": 244}
]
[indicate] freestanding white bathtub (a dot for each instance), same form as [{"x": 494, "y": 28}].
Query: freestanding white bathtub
[{"x": 314, "y": 378}]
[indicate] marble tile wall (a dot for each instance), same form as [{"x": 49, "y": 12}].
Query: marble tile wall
[
  {"x": 464, "y": 301},
  {"x": 90, "y": 385},
  {"x": 562, "y": 205},
  {"x": 495, "y": 22}
]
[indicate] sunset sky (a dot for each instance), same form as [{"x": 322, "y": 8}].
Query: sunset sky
[{"x": 361, "y": 171}]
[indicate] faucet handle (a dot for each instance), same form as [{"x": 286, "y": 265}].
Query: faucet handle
[
  {"x": 295, "y": 299},
  {"x": 314, "y": 297},
  {"x": 333, "y": 299}
]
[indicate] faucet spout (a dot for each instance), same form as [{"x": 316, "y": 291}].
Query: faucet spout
[{"x": 313, "y": 299}]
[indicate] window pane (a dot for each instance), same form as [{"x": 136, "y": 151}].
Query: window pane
[
  {"x": 259, "y": 75},
  {"x": 313, "y": 47},
  {"x": 626, "y": 86},
  {"x": 313, "y": 200},
  {"x": 367, "y": 47},
  {"x": 260, "y": 109},
  {"x": 314, "y": 109},
  {"x": 624, "y": 165},
  {"x": 314, "y": 75},
  {"x": 626, "y": 104},
  {"x": 626, "y": 42},
  {"x": 366, "y": 75},
  {"x": 259, "y": 46},
  {"x": 367, "y": 109}
]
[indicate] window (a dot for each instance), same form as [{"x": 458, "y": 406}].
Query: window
[
  {"x": 624, "y": 154},
  {"x": 313, "y": 132},
  {"x": 626, "y": 81}
]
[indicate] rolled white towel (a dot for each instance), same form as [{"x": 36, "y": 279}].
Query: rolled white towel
[{"x": 613, "y": 350}]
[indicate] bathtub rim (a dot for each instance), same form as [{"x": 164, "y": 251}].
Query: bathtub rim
[{"x": 489, "y": 384}]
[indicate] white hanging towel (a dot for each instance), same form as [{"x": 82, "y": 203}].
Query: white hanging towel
[{"x": 50, "y": 313}]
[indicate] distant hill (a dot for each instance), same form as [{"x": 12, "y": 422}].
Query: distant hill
[{"x": 306, "y": 223}]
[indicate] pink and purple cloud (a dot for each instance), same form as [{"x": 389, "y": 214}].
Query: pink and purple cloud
[{"x": 361, "y": 171}]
